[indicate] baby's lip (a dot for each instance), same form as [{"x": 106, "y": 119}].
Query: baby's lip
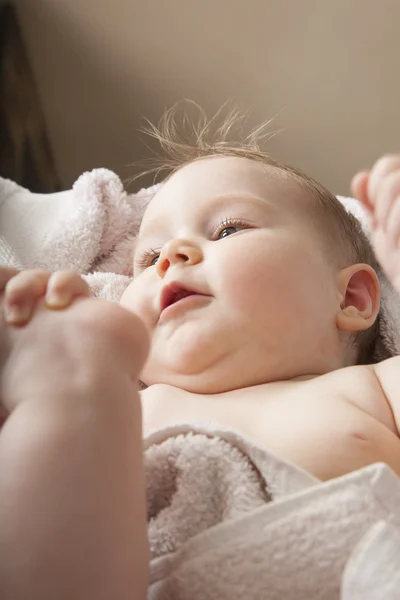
[{"x": 175, "y": 291}]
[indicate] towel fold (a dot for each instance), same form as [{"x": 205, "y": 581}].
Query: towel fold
[
  {"x": 198, "y": 477},
  {"x": 373, "y": 570},
  {"x": 215, "y": 533}
]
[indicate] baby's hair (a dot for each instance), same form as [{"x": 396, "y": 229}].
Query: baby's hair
[{"x": 185, "y": 139}]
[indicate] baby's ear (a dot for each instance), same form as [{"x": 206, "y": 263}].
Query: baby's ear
[{"x": 360, "y": 298}]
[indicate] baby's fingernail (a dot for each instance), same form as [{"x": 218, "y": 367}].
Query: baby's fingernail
[
  {"x": 17, "y": 314},
  {"x": 57, "y": 299}
]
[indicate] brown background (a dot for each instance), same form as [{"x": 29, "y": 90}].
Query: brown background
[
  {"x": 329, "y": 69},
  {"x": 25, "y": 153}
]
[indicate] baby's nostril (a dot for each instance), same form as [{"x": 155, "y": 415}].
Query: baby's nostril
[{"x": 164, "y": 264}]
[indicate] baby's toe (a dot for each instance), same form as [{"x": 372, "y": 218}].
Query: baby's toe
[
  {"x": 63, "y": 287},
  {"x": 22, "y": 293}
]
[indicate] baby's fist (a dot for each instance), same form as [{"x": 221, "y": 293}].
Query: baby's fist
[{"x": 379, "y": 191}]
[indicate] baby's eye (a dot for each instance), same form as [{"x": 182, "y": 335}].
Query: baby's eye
[
  {"x": 226, "y": 231},
  {"x": 229, "y": 227},
  {"x": 147, "y": 259}
]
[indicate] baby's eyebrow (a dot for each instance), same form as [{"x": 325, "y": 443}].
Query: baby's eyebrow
[
  {"x": 245, "y": 197},
  {"x": 153, "y": 225}
]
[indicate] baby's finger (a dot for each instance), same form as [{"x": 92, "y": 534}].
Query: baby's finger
[
  {"x": 386, "y": 196},
  {"x": 63, "y": 287},
  {"x": 382, "y": 168},
  {"x": 6, "y": 273},
  {"x": 21, "y": 294},
  {"x": 359, "y": 189},
  {"x": 392, "y": 227}
]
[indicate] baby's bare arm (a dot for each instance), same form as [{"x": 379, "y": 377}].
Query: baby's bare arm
[{"x": 72, "y": 494}]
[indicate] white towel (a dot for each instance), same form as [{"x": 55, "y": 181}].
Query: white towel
[
  {"x": 215, "y": 534},
  {"x": 89, "y": 228}
]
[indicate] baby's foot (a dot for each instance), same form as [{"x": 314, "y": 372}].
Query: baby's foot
[
  {"x": 71, "y": 453},
  {"x": 84, "y": 348},
  {"x": 379, "y": 192}
]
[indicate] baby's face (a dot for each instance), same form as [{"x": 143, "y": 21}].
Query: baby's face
[{"x": 240, "y": 234}]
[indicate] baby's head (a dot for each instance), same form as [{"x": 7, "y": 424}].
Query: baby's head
[{"x": 285, "y": 279}]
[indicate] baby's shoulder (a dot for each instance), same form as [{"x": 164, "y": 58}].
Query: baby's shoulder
[
  {"x": 372, "y": 388},
  {"x": 387, "y": 375}
]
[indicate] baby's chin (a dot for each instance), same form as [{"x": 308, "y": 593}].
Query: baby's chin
[
  {"x": 183, "y": 356},
  {"x": 214, "y": 364},
  {"x": 206, "y": 381},
  {"x": 221, "y": 378},
  {"x": 197, "y": 368}
]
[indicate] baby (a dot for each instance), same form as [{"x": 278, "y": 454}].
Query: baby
[{"x": 254, "y": 304}]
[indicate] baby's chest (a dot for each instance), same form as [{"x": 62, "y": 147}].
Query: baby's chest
[
  {"x": 328, "y": 426},
  {"x": 324, "y": 433}
]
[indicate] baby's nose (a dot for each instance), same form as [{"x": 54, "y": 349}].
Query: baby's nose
[{"x": 178, "y": 251}]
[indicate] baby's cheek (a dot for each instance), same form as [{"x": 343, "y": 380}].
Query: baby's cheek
[
  {"x": 128, "y": 297},
  {"x": 136, "y": 300},
  {"x": 259, "y": 281},
  {"x": 258, "y": 277}
]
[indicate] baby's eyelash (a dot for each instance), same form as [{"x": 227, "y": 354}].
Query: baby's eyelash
[
  {"x": 144, "y": 259},
  {"x": 229, "y": 222}
]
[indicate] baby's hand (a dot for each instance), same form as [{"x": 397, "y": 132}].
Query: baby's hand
[
  {"x": 379, "y": 191},
  {"x": 23, "y": 289}
]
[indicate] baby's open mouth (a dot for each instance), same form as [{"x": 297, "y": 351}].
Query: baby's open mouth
[{"x": 174, "y": 292}]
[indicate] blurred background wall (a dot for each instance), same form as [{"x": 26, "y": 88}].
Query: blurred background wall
[{"x": 328, "y": 70}]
